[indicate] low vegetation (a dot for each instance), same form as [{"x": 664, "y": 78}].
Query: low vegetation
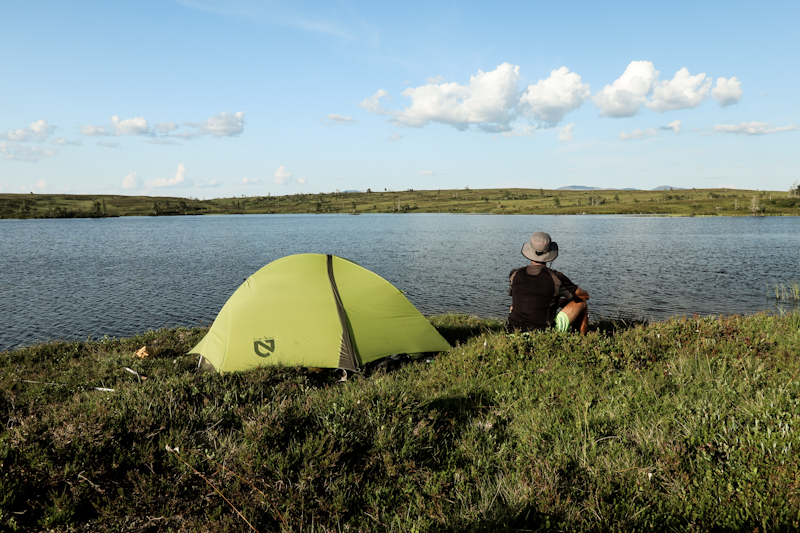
[
  {"x": 690, "y": 424},
  {"x": 684, "y": 202},
  {"x": 787, "y": 291}
]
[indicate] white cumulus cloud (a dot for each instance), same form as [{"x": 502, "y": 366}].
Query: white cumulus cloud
[
  {"x": 132, "y": 181},
  {"x": 492, "y": 101},
  {"x": 39, "y": 130},
  {"x": 62, "y": 141},
  {"x": 550, "y": 100},
  {"x": 130, "y": 126},
  {"x": 20, "y": 135},
  {"x": 565, "y": 135},
  {"x": 727, "y": 91},
  {"x": 223, "y": 125},
  {"x": 486, "y": 101},
  {"x": 94, "y": 131},
  {"x": 250, "y": 181},
  {"x": 334, "y": 119},
  {"x": 638, "y": 134},
  {"x": 684, "y": 91},
  {"x": 178, "y": 180},
  {"x": 29, "y": 154},
  {"x": 675, "y": 126},
  {"x": 108, "y": 144},
  {"x": 282, "y": 177},
  {"x": 373, "y": 103},
  {"x": 427, "y": 172},
  {"x": 623, "y": 97},
  {"x": 752, "y": 128}
]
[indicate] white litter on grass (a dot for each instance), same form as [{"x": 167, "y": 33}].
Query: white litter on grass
[{"x": 134, "y": 372}]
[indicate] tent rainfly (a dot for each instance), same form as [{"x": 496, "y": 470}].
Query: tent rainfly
[{"x": 315, "y": 310}]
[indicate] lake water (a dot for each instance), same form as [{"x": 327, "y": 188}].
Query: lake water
[{"x": 69, "y": 279}]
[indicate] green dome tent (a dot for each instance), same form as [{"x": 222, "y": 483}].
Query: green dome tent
[{"x": 318, "y": 311}]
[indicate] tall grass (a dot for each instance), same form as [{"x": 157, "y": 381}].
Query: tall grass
[
  {"x": 688, "y": 424},
  {"x": 787, "y": 291}
]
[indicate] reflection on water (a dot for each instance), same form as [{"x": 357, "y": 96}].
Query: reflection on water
[{"x": 68, "y": 279}]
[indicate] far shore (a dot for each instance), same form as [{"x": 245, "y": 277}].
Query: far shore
[{"x": 667, "y": 202}]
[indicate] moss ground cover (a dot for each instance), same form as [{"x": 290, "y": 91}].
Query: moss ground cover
[
  {"x": 689, "y": 424},
  {"x": 684, "y": 202}
]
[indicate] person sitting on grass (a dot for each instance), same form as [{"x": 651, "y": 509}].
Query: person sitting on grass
[{"x": 537, "y": 292}]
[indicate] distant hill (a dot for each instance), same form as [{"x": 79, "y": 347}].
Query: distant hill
[{"x": 585, "y": 188}]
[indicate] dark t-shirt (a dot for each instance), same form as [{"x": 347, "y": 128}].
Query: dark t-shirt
[{"x": 536, "y": 293}]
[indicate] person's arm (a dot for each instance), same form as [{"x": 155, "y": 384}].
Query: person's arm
[{"x": 581, "y": 294}]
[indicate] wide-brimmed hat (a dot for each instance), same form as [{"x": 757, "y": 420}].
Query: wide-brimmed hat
[{"x": 540, "y": 248}]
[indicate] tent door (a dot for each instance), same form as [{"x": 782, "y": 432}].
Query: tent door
[{"x": 347, "y": 354}]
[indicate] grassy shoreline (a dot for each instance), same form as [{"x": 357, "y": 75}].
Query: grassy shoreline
[
  {"x": 687, "y": 424},
  {"x": 684, "y": 202}
]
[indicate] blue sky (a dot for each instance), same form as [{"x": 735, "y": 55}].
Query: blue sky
[{"x": 208, "y": 98}]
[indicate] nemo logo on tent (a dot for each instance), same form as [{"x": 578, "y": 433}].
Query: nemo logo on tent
[{"x": 264, "y": 346}]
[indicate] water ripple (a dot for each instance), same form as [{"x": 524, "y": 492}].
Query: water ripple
[{"x": 70, "y": 279}]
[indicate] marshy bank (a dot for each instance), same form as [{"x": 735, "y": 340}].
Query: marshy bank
[{"x": 690, "y": 423}]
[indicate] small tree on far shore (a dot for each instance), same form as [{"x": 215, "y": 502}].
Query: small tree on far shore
[{"x": 756, "y": 207}]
